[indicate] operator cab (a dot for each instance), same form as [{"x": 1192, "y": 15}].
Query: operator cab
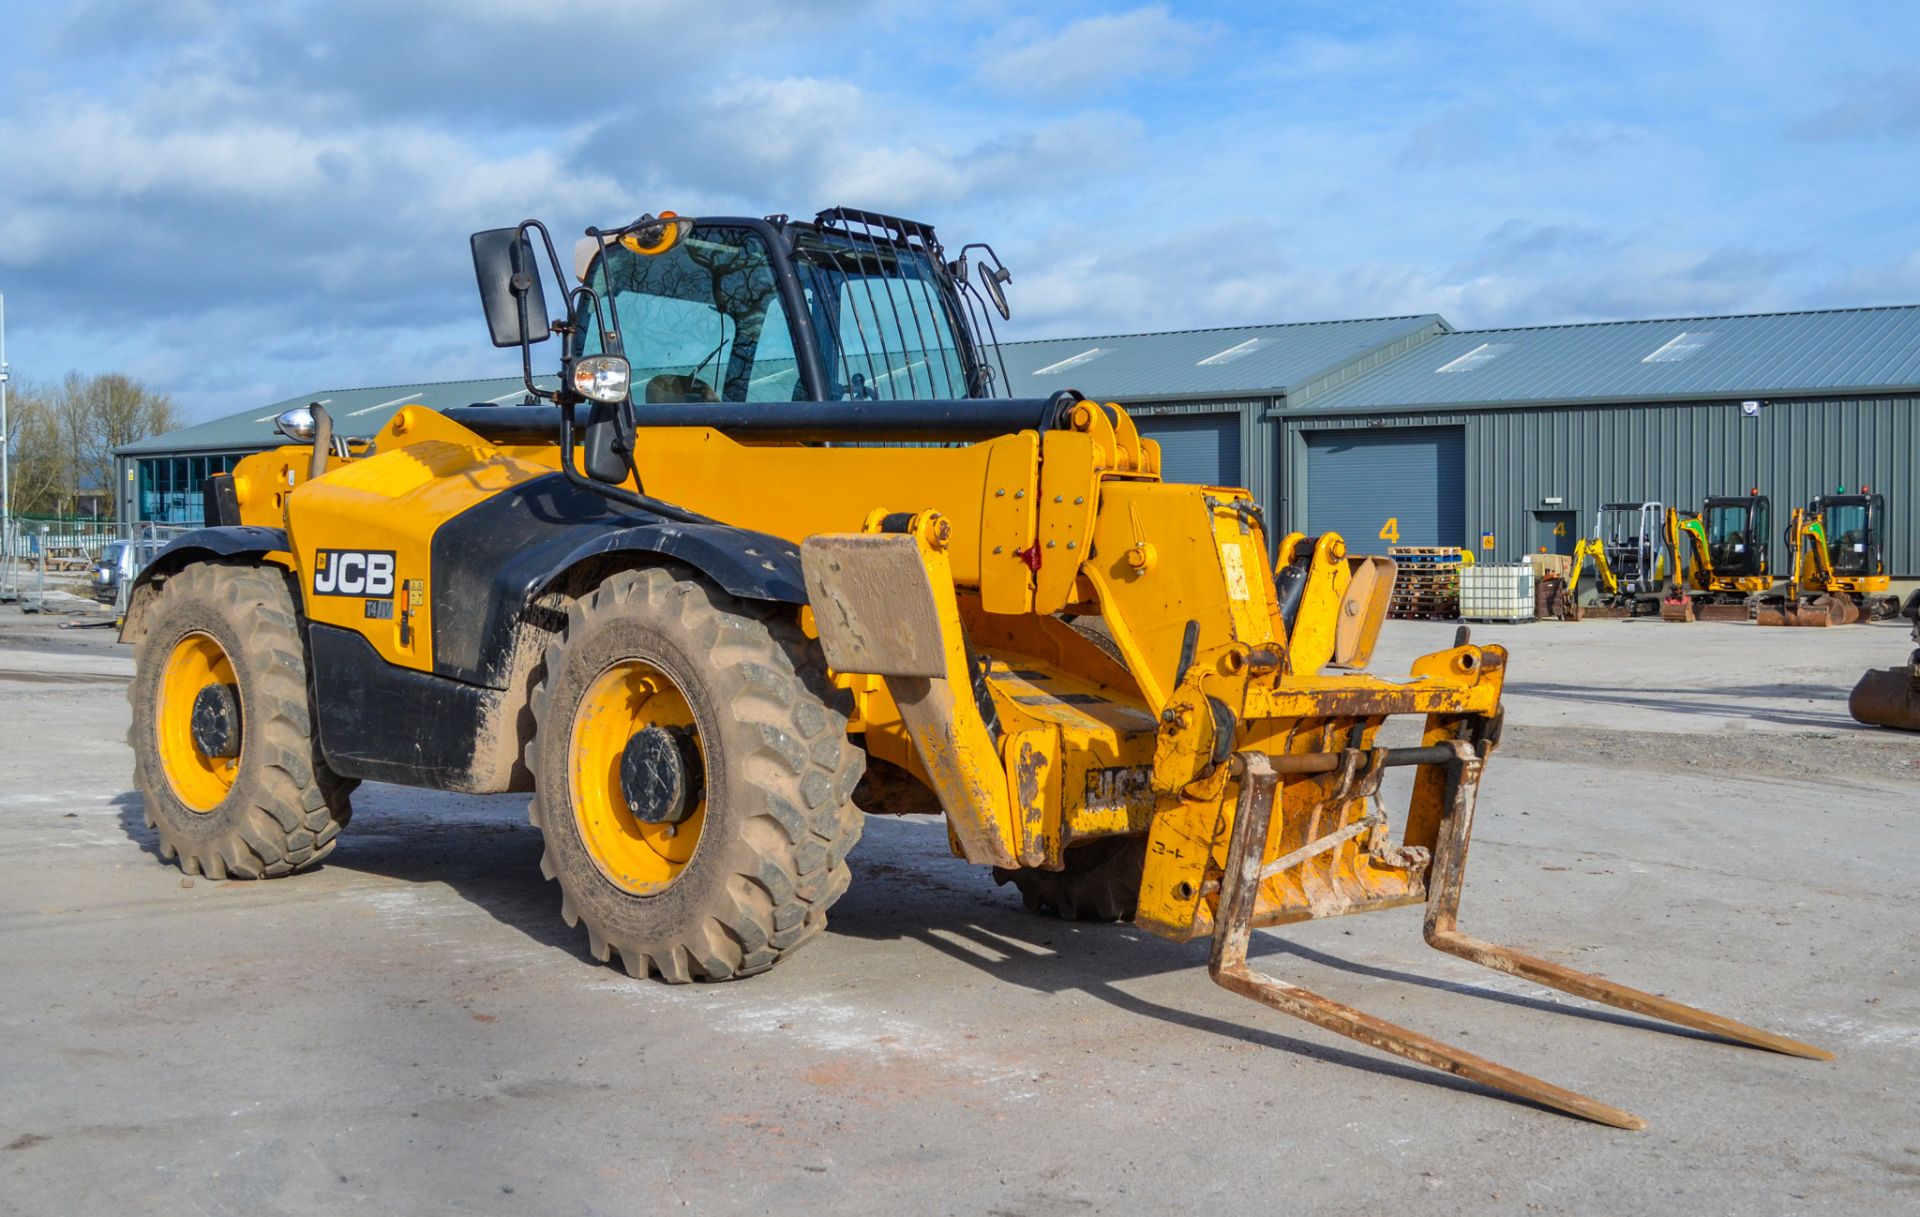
[
  {"x": 852, "y": 306},
  {"x": 1629, "y": 533},
  {"x": 1738, "y": 532},
  {"x": 1852, "y": 523}
]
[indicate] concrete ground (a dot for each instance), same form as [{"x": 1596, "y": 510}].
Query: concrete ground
[{"x": 411, "y": 1029}]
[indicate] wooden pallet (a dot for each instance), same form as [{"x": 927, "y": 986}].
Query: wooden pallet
[
  {"x": 1426, "y": 585},
  {"x": 1426, "y": 555}
]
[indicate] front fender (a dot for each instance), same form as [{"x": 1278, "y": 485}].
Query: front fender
[
  {"x": 495, "y": 560},
  {"x": 200, "y": 545},
  {"x": 747, "y": 564}
]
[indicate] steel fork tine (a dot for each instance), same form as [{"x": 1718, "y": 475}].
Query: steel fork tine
[
  {"x": 1233, "y": 929},
  {"x": 1443, "y": 912}
]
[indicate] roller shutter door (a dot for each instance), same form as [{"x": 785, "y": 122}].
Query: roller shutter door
[
  {"x": 1358, "y": 480},
  {"x": 1196, "y": 449}
]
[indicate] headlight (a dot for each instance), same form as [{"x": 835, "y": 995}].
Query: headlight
[
  {"x": 602, "y": 378},
  {"x": 296, "y": 424}
]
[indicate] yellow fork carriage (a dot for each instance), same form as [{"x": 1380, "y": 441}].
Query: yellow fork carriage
[{"x": 1249, "y": 763}]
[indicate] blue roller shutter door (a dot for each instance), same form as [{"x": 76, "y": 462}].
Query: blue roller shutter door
[
  {"x": 1358, "y": 480},
  {"x": 1196, "y": 449}
]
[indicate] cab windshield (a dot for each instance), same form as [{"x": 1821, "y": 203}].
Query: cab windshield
[
  {"x": 885, "y": 329},
  {"x": 1737, "y": 537},
  {"x": 1850, "y": 541},
  {"x": 705, "y": 322},
  {"x": 701, "y": 322}
]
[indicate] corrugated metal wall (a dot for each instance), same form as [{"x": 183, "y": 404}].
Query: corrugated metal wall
[{"x": 1678, "y": 453}]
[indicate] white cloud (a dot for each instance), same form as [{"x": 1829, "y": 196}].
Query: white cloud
[
  {"x": 1096, "y": 53},
  {"x": 818, "y": 142}
]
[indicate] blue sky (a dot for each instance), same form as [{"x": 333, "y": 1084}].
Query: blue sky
[{"x": 243, "y": 202}]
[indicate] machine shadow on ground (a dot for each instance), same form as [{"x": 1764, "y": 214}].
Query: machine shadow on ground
[
  {"x": 467, "y": 842},
  {"x": 1689, "y": 701},
  {"x": 906, "y": 887}
]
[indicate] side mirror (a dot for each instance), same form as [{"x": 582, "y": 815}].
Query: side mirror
[
  {"x": 991, "y": 280},
  {"x": 510, "y": 292}
]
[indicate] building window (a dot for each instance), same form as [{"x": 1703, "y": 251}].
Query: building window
[{"x": 170, "y": 487}]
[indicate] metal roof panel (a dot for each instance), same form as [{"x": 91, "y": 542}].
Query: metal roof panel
[
  {"x": 1241, "y": 360},
  {"x": 1234, "y": 361},
  {"x": 1832, "y": 351}
]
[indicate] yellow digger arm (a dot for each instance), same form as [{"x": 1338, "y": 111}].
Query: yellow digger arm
[
  {"x": 1590, "y": 549},
  {"x": 1809, "y": 536}
]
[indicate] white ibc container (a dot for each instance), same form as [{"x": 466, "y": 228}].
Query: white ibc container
[{"x": 1496, "y": 593}]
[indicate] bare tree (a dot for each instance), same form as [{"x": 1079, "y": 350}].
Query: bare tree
[
  {"x": 41, "y": 465},
  {"x": 62, "y": 440},
  {"x": 101, "y": 413}
]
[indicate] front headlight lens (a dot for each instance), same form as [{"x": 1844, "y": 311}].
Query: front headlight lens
[
  {"x": 602, "y": 378},
  {"x": 297, "y": 424}
]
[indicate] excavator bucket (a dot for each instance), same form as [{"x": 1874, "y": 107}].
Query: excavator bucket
[
  {"x": 1817, "y": 611},
  {"x": 1722, "y": 611},
  {"x": 1841, "y": 609},
  {"x": 1889, "y": 697},
  {"x": 1677, "y": 607},
  {"x": 1601, "y": 612}
]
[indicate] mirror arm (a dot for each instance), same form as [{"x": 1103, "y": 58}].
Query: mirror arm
[
  {"x": 619, "y": 494},
  {"x": 565, "y": 399}
]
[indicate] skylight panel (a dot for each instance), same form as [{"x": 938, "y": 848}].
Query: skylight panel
[
  {"x": 1231, "y": 353},
  {"x": 1479, "y": 356},
  {"x": 1073, "y": 361},
  {"x": 1683, "y": 346}
]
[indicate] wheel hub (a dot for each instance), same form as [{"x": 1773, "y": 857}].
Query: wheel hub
[
  {"x": 197, "y": 722},
  {"x": 661, "y": 776},
  {"x": 215, "y": 721},
  {"x": 637, "y": 777}
]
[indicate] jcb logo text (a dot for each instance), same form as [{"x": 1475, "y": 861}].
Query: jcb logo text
[{"x": 353, "y": 572}]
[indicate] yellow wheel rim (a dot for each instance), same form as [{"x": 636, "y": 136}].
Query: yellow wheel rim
[
  {"x": 635, "y": 856},
  {"x": 200, "y": 781}
]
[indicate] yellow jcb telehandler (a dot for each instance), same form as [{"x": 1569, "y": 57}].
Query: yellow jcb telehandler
[{"x": 769, "y": 546}]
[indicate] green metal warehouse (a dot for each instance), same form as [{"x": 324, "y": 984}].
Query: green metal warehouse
[{"x": 1502, "y": 440}]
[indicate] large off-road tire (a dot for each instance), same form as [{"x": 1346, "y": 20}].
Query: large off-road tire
[
  {"x": 761, "y": 763},
  {"x": 1101, "y": 881},
  {"x": 227, "y": 641}
]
